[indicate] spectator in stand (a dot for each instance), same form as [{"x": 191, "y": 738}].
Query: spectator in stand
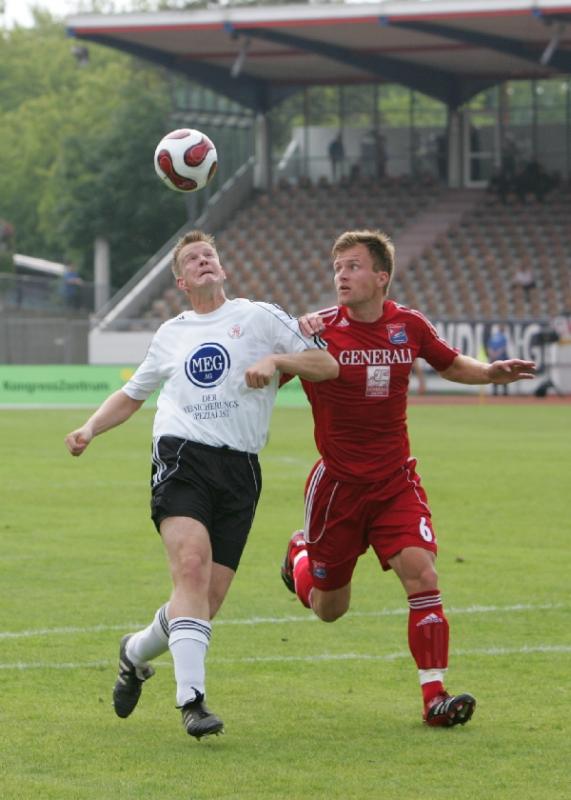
[
  {"x": 501, "y": 184},
  {"x": 381, "y": 154},
  {"x": 6, "y": 246},
  {"x": 525, "y": 279},
  {"x": 510, "y": 157},
  {"x": 534, "y": 180},
  {"x": 336, "y": 156},
  {"x": 420, "y": 377},
  {"x": 497, "y": 350},
  {"x": 72, "y": 287}
]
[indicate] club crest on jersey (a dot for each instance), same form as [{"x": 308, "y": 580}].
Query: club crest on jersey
[
  {"x": 319, "y": 569},
  {"x": 207, "y": 365},
  {"x": 397, "y": 333},
  {"x": 235, "y": 332}
]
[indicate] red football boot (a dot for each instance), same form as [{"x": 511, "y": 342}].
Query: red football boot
[{"x": 295, "y": 544}]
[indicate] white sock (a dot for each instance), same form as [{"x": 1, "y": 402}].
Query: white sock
[
  {"x": 152, "y": 641},
  {"x": 188, "y": 643}
]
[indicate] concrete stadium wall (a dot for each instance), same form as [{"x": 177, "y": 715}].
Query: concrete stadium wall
[{"x": 43, "y": 340}]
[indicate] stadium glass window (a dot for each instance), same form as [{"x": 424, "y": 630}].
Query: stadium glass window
[
  {"x": 287, "y": 123},
  {"x": 487, "y": 100},
  {"x": 552, "y": 129},
  {"x": 551, "y": 100},
  {"x": 518, "y": 118},
  {"x": 283, "y": 119},
  {"x": 396, "y": 123},
  {"x": 322, "y": 106},
  {"x": 519, "y": 101},
  {"x": 394, "y": 106},
  {"x": 359, "y": 106},
  {"x": 429, "y": 119}
]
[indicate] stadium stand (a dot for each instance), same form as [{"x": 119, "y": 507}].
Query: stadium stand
[
  {"x": 468, "y": 247},
  {"x": 468, "y": 272},
  {"x": 277, "y": 247}
]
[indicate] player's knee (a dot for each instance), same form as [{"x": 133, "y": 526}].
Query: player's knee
[
  {"x": 330, "y": 615},
  {"x": 326, "y": 610},
  {"x": 191, "y": 569},
  {"x": 428, "y": 578}
]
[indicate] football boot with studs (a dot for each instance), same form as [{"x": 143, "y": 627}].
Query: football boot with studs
[
  {"x": 199, "y": 721},
  {"x": 447, "y": 710},
  {"x": 129, "y": 683}
]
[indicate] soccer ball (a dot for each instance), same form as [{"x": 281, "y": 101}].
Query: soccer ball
[{"x": 185, "y": 160}]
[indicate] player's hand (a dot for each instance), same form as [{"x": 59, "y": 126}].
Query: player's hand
[
  {"x": 514, "y": 369},
  {"x": 310, "y": 324},
  {"x": 261, "y": 373},
  {"x": 77, "y": 441}
]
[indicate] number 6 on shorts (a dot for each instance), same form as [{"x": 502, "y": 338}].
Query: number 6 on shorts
[{"x": 425, "y": 530}]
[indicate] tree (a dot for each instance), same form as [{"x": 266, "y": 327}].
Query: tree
[
  {"x": 76, "y": 149},
  {"x": 104, "y": 184}
]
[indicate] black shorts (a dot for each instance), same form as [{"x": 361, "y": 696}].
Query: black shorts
[{"x": 217, "y": 486}]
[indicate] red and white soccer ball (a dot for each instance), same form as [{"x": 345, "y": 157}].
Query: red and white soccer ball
[{"x": 185, "y": 160}]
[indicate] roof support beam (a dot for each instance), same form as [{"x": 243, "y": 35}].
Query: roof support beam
[
  {"x": 258, "y": 95},
  {"x": 434, "y": 82},
  {"x": 561, "y": 60}
]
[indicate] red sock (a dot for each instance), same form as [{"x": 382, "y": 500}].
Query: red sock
[
  {"x": 428, "y": 638},
  {"x": 302, "y": 580},
  {"x": 431, "y": 690}
]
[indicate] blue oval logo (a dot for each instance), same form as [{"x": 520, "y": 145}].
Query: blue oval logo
[{"x": 208, "y": 365}]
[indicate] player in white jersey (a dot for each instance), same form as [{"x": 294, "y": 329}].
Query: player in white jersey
[{"x": 219, "y": 366}]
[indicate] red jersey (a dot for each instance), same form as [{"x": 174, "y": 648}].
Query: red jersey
[{"x": 360, "y": 417}]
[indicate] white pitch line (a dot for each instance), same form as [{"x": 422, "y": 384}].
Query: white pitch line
[
  {"x": 324, "y": 657},
  {"x": 308, "y": 617}
]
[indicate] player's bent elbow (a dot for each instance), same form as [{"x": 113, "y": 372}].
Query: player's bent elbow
[
  {"x": 327, "y": 370},
  {"x": 333, "y": 369}
]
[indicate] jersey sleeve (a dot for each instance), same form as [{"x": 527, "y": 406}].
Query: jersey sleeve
[
  {"x": 149, "y": 375},
  {"x": 283, "y": 331},
  {"x": 433, "y": 348}
]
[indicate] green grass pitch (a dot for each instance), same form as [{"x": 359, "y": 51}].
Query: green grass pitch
[{"x": 311, "y": 710}]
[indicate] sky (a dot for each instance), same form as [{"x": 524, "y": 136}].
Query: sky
[{"x": 17, "y": 12}]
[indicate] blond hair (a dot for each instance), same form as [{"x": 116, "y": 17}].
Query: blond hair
[
  {"x": 189, "y": 238},
  {"x": 378, "y": 244}
]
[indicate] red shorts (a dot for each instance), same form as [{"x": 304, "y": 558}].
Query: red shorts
[{"x": 343, "y": 519}]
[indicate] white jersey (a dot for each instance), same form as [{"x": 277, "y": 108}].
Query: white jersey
[{"x": 201, "y": 360}]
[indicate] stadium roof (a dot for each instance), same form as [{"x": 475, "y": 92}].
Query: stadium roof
[{"x": 258, "y": 55}]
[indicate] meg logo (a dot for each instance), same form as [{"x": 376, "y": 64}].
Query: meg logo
[{"x": 208, "y": 365}]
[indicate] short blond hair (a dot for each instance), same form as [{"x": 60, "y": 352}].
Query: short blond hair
[
  {"x": 189, "y": 238},
  {"x": 378, "y": 244}
]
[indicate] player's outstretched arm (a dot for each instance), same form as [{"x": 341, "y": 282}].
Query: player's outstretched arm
[
  {"x": 117, "y": 408},
  {"x": 511, "y": 370},
  {"x": 311, "y": 365},
  {"x": 468, "y": 370}
]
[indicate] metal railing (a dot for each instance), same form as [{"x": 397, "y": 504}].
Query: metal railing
[{"x": 45, "y": 294}]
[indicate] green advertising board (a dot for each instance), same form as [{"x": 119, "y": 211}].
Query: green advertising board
[{"x": 62, "y": 386}]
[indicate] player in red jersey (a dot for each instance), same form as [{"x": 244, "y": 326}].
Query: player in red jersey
[{"x": 364, "y": 490}]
